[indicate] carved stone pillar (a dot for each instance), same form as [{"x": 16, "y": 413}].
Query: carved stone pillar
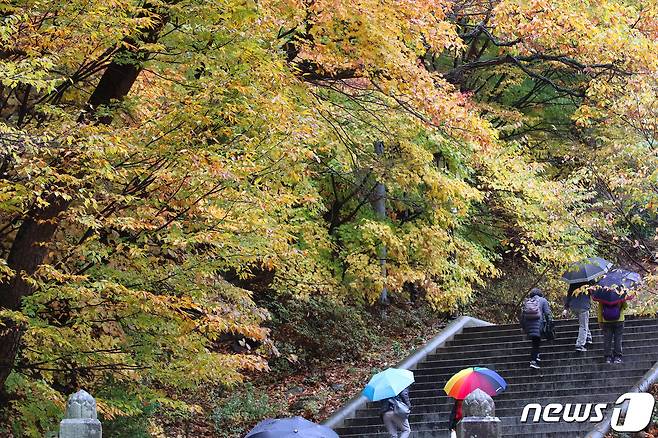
[
  {"x": 479, "y": 417},
  {"x": 81, "y": 419}
]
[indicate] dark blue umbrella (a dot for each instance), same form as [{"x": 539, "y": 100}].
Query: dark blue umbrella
[
  {"x": 586, "y": 270},
  {"x": 614, "y": 286},
  {"x": 296, "y": 427}
]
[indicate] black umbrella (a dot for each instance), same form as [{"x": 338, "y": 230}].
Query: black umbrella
[
  {"x": 587, "y": 270},
  {"x": 296, "y": 427},
  {"x": 614, "y": 286}
]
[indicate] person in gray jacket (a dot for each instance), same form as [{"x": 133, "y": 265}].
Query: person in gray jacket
[
  {"x": 392, "y": 421},
  {"x": 579, "y": 302},
  {"x": 533, "y": 325}
]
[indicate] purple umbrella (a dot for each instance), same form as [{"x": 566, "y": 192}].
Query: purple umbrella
[{"x": 613, "y": 288}]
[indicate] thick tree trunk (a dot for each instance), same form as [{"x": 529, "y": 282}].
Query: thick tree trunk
[
  {"x": 115, "y": 83},
  {"x": 27, "y": 252},
  {"x": 30, "y": 246}
]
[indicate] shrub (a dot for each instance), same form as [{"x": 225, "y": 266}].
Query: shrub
[
  {"x": 136, "y": 426},
  {"x": 242, "y": 409},
  {"x": 322, "y": 329}
]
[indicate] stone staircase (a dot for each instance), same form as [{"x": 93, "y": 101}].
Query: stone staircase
[{"x": 566, "y": 376}]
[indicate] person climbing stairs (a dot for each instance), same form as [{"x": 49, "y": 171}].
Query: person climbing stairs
[{"x": 566, "y": 376}]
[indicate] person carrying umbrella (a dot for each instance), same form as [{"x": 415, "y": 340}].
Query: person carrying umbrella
[
  {"x": 578, "y": 299},
  {"x": 534, "y": 313},
  {"x": 391, "y": 388},
  {"x": 579, "y": 302},
  {"x": 456, "y": 416},
  {"x": 613, "y": 330},
  {"x": 466, "y": 381},
  {"x": 611, "y": 292},
  {"x": 394, "y": 421}
]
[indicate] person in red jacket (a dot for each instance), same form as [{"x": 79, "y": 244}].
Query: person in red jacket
[{"x": 455, "y": 416}]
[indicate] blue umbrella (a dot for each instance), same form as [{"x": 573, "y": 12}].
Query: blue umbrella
[
  {"x": 388, "y": 383},
  {"x": 296, "y": 427},
  {"x": 588, "y": 269},
  {"x": 614, "y": 286}
]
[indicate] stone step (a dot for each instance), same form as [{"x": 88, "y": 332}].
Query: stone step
[
  {"x": 467, "y": 339},
  {"x": 445, "y": 433},
  {"x": 516, "y": 361},
  {"x": 547, "y": 372},
  {"x": 567, "y": 433},
  {"x": 514, "y": 421},
  {"x": 549, "y": 354},
  {"x": 564, "y": 343},
  {"x": 559, "y": 324},
  {"x": 510, "y": 408},
  {"x": 554, "y": 427},
  {"x": 566, "y": 376},
  {"x": 514, "y": 428},
  {"x": 539, "y": 387},
  {"x": 435, "y": 402},
  {"x": 603, "y": 373},
  {"x": 555, "y": 386},
  {"x": 418, "y": 430},
  {"x": 441, "y": 405},
  {"x": 378, "y": 428}
]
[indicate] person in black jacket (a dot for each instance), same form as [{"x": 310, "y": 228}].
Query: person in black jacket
[
  {"x": 393, "y": 422},
  {"x": 532, "y": 326}
]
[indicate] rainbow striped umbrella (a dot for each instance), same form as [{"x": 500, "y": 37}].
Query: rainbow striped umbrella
[{"x": 469, "y": 379}]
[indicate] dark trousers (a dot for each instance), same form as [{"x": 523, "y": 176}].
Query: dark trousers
[
  {"x": 536, "y": 342},
  {"x": 612, "y": 333}
]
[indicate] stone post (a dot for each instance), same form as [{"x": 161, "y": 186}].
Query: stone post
[
  {"x": 81, "y": 420},
  {"x": 479, "y": 420}
]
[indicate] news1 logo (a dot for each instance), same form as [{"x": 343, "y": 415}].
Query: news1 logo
[{"x": 638, "y": 414}]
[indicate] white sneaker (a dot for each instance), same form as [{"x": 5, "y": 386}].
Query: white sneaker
[{"x": 583, "y": 349}]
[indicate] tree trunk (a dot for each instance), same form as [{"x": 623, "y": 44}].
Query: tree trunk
[
  {"x": 379, "y": 203},
  {"x": 116, "y": 82},
  {"x": 30, "y": 246},
  {"x": 27, "y": 253}
]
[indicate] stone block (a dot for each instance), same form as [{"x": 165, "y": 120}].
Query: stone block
[{"x": 81, "y": 418}]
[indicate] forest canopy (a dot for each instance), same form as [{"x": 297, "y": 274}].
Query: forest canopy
[{"x": 163, "y": 163}]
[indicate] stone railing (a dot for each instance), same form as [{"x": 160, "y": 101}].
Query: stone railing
[{"x": 442, "y": 338}]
